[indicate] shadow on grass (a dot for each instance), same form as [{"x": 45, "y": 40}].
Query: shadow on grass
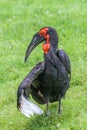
[
  {"x": 43, "y": 122},
  {"x": 69, "y": 119}
]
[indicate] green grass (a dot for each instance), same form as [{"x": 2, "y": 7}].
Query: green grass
[{"x": 19, "y": 20}]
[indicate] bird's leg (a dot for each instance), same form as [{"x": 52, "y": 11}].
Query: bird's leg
[
  {"x": 47, "y": 108},
  {"x": 59, "y": 107}
]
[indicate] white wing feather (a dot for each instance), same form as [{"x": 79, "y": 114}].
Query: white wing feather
[{"x": 28, "y": 108}]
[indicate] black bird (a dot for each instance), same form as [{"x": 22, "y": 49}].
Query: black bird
[{"x": 49, "y": 80}]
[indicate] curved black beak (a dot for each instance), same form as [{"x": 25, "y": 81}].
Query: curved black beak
[{"x": 37, "y": 39}]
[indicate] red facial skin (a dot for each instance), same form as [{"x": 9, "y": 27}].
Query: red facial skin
[{"x": 45, "y": 46}]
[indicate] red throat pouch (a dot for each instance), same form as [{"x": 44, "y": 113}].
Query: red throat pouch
[{"x": 46, "y": 47}]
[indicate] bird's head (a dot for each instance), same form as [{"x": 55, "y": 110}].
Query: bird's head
[{"x": 47, "y": 34}]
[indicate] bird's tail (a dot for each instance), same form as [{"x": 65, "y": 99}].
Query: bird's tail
[{"x": 27, "y": 107}]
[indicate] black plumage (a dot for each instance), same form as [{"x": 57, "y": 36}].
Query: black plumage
[{"x": 49, "y": 80}]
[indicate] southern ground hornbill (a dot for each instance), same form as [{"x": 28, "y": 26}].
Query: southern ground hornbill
[{"x": 49, "y": 80}]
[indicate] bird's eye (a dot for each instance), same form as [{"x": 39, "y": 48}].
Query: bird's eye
[{"x": 43, "y": 32}]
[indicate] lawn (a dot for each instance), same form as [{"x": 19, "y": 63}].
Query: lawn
[{"x": 19, "y": 21}]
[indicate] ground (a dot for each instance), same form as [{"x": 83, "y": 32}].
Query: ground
[{"x": 19, "y": 21}]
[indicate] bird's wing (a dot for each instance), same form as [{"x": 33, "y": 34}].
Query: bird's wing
[
  {"x": 30, "y": 85},
  {"x": 65, "y": 61}
]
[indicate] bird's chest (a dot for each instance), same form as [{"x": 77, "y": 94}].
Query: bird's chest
[
  {"x": 50, "y": 75},
  {"x": 50, "y": 80}
]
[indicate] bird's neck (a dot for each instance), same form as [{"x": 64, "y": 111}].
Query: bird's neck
[
  {"x": 50, "y": 56},
  {"x": 46, "y": 46}
]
